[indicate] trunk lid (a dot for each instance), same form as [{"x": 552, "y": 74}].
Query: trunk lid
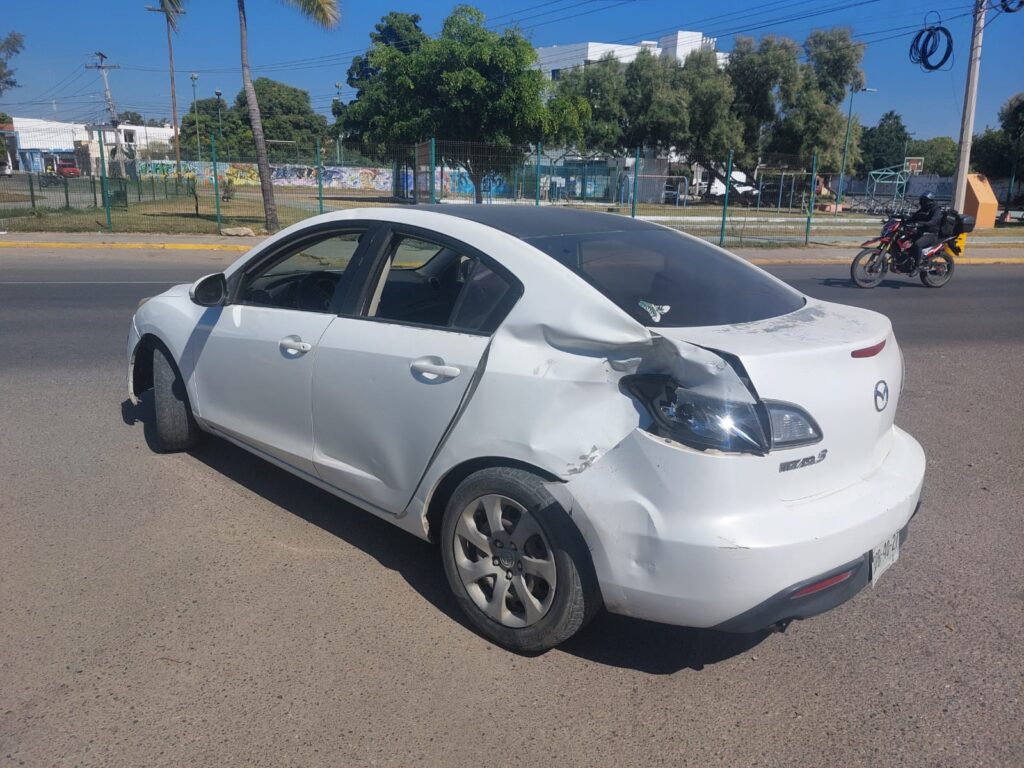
[{"x": 806, "y": 358}]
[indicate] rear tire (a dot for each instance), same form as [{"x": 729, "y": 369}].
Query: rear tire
[
  {"x": 176, "y": 427},
  {"x": 868, "y": 268},
  {"x": 536, "y": 542},
  {"x": 938, "y": 272}
]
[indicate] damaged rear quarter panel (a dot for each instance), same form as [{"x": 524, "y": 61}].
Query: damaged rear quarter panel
[{"x": 549, "y": 396}]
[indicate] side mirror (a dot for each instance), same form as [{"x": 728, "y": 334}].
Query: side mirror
[{"x": 209, "y": 291}]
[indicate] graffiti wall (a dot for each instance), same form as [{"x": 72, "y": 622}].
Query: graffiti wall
[{"x": 355, "y": 178}]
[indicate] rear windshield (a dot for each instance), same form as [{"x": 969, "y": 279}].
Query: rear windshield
[{"x": 662, "y": 278}]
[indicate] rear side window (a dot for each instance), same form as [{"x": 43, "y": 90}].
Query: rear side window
[
  {"x": 430, "y": 284},
  {"x": 485, "y": 299},
  {"x": 662, "y": 278}
]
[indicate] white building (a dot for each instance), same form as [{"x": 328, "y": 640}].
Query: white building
[
  {"x": 39, "y": 141},
  {"x": 553, "y": 60}
]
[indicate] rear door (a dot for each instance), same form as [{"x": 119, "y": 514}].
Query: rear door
[{"x": 393, "y": 371}]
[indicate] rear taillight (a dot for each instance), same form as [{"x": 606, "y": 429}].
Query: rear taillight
[
  {"x": 871, "y": 351},
  {"x": 817, "y": 586},
  {"x": 709, "y": 423}
]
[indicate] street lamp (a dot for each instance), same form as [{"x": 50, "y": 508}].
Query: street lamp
[
  {"x": 199, "y": 150},
  {"x": 220, "y": 125},
  {"x": 846, "y": 145},
  {"x": 337, "y": 139}
]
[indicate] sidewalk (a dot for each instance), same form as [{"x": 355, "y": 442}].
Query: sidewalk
[{"x": 1000, "y": 254}]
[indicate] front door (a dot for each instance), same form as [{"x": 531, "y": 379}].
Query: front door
[
  {"x": 390, "y": 378},
  {"x": 254, "y": 369}
]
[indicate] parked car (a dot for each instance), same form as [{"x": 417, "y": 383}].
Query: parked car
[
  {"x": 583, "y": 409},
  {"x": 68, "y": 169}
]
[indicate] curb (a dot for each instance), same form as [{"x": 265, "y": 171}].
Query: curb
[{"x": 125, "y": 246}]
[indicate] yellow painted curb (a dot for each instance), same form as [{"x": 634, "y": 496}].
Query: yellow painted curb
[{"x": 125, "y": 246}]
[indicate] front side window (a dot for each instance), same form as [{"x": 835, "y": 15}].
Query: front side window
[
  {"x": 306, "y": 279},
  {"x": 432, "y": 284},
  {"x": 662, "y": 278}
]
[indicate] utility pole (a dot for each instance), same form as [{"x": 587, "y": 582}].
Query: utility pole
[
  {"x": 103, "y": 68},
  {"x": 970, "y": 102}
]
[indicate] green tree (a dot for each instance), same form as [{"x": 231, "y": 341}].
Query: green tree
[
  {"x": 234, "y": 141},
  {"x": 763, "y": 76},
  {"x": 472, "y": 86},
  {"x": 131, "y": 117},
  {"x": 10, "y": 46},
  {"x": 287, "y": 116},
  {"x": 835, "y": 62},
  {"x": 992, "y": 154},
  {"x": 655, "y": 103},
  {"x": 940, "y": 154},
  {"x": 811, "y": 124},
  {"x": 602, "y": 86},
  {"x": 1011, "y": 118},
  {"x": 885, "y": 144},
  {"x": 326, "y": 14},
  {"x": 714, "y": 128},
  {"x": 399, "y": 31}
]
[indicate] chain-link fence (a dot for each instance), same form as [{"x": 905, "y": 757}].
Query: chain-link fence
[{"x": 100, "y": 180}]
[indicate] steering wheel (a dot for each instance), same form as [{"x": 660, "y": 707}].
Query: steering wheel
[{"x": 316, "y": 291}]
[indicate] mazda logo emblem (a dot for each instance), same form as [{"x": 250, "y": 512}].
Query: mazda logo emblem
[{"x": 881, "y": 396}]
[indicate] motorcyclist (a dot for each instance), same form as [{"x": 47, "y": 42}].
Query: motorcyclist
[{"x": 926, "y": 220}]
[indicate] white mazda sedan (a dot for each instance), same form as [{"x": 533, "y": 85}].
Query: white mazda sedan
[{"x": 582, "y": 409}]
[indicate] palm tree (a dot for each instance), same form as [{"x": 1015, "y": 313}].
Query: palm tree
[
  {"x": 172, "y": 10},
  {"x": 326, "y": 14}
]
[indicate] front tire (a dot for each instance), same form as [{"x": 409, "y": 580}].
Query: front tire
[
  {"x": 176, "y": 427},
  {"x": 869, "y": 267},
  {"x": 938, "y": 271},
  {"x": 516, "y": 562}
]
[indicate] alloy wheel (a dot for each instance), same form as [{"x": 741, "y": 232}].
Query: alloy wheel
[{"x": 504, "y": 561}]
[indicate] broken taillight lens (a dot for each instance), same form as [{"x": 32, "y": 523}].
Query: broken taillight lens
[
  {"x": 698, "y": 420},
  {"x": 709, "y": 423}
]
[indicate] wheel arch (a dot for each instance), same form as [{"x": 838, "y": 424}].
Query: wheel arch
[
  {"x": 443, "y": 489},
  {"x": 140, "y": 366}
]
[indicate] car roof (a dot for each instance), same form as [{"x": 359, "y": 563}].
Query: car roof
[{"x": 527, "y": 221}]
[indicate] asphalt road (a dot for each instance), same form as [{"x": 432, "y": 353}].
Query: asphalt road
[{"x": 209, "y": 609}]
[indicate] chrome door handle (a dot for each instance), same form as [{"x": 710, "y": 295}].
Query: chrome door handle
[
  {"x": 431, "y": 368},
  {"x": 295, "y": 344}
]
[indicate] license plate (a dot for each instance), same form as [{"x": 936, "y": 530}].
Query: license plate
[{"x": 883, "y": 556}]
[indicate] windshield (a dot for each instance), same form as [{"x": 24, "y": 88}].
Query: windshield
[{"x": 662, "y": 278}]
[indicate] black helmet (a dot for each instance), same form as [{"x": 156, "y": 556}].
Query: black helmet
[{"x": 926, "y": 199}]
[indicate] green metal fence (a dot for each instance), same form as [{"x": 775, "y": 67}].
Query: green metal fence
[{"x": 711, "y": 197}]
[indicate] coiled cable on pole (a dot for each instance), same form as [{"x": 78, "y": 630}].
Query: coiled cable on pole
[
  {"x": 926, "y": 45},
  {"x": 1011, "y": 6}
]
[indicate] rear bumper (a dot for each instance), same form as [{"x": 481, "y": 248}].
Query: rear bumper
[
  {"x": 674, "y": 542},
  {"x": 788, "y": 605}
]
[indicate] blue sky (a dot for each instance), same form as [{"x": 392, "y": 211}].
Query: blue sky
[{"x": 61, "y": 35}]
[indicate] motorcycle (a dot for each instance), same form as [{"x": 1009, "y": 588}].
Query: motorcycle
[{"x": 893, "y": 251}]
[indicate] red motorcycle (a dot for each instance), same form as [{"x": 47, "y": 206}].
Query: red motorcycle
[{"x": 893, "y": 251}]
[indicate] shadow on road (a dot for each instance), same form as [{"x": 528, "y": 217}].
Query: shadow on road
[
  {"x": 616, "y": 641},
  {"x": 657, "y": 649},
  {"x": 835, "y": 282}
]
